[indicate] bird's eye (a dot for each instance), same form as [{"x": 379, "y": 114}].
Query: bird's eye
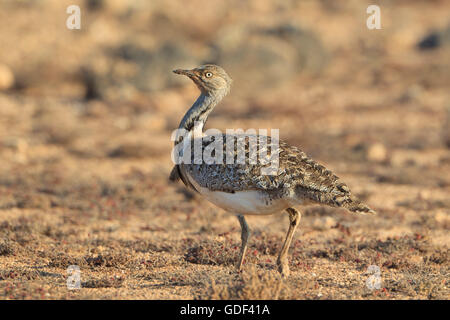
[{"x": 208, "y": 74}]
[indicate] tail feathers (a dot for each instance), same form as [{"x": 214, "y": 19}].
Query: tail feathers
[
  {"x": 357, "y": 206},
  {"x": 340, "y": 196}
]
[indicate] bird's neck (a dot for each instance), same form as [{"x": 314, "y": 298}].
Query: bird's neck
[{"x": 196, "y": 116}]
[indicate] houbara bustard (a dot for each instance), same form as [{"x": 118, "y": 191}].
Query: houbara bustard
[{"x": 240, "y": 187}]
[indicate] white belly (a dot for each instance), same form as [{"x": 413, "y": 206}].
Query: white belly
[{"x": 243, "y": 202}]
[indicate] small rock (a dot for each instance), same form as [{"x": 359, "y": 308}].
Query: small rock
[
  {"x": 430, "y": 41},
  {"x": 435, "y": 39},
  {"x": 377, "y": 153},
  {"x": 6, "y": 77}
]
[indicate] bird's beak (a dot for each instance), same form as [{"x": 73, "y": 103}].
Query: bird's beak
[{"x": 189, "y": 73}]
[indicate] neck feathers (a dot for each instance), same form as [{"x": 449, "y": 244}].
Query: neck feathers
[{"x": 200, "y": 110}]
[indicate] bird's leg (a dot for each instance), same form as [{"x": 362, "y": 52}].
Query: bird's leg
[
  {"x": 245, "y": 234},
  {"x": 282, "y": 261}
]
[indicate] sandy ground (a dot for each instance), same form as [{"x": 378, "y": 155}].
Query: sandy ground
[{"x": 85, "y": 182}]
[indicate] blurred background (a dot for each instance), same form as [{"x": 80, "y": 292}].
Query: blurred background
[
  {"x": 311, "y": 68},
  {"x": 86, "y": 115}
]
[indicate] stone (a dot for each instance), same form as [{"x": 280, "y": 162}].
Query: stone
[
  {"x": 435, "y": 39},
  {"x": 6, "y": 77},
  {"x": 377, "y": 153}
]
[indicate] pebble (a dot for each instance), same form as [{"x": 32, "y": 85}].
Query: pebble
[
  {"x": 6, "y": 77},
  {"x": 377, "y": 153}
]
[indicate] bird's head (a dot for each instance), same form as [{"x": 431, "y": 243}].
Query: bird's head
[{"x": 209, "y": 78}]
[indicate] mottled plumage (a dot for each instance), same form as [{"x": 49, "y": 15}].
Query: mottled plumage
[
  {"x": 298, "y": 177},
  {"x": 243, "y": 186}
]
